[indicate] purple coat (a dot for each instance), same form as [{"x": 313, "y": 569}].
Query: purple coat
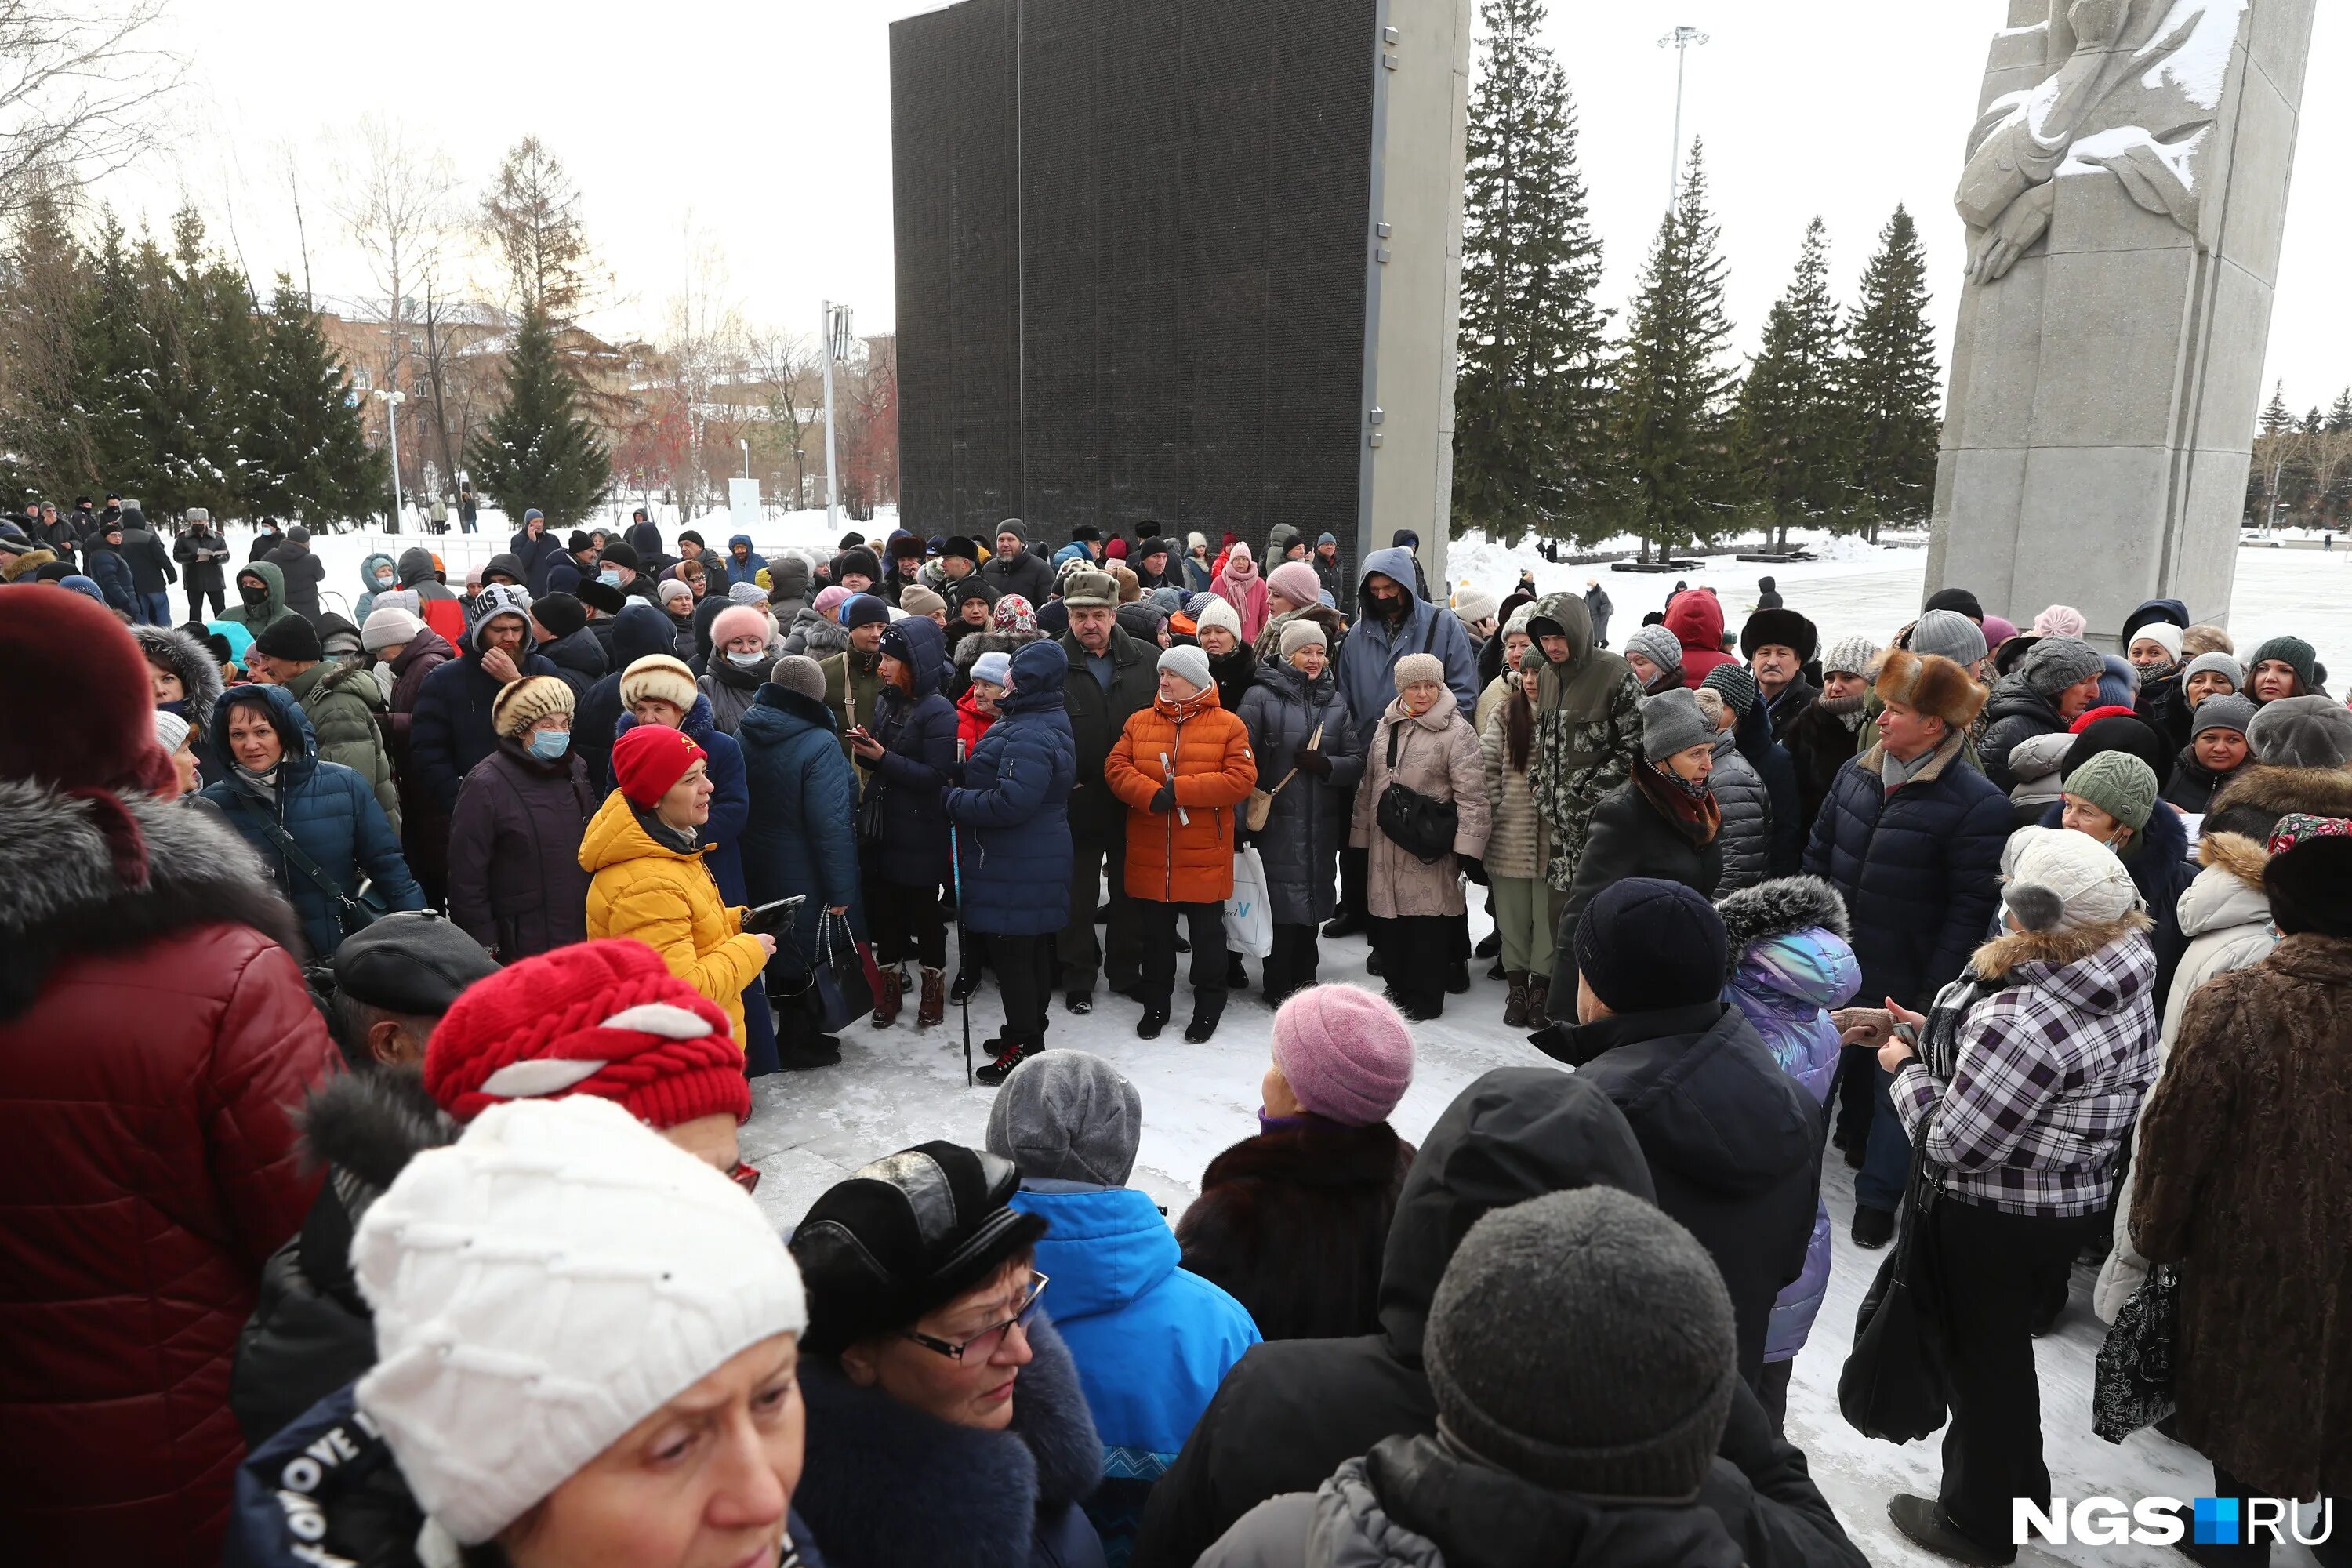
[
  {"x": 515, "y": 881},
  {"x": 1790, "y": 965}
]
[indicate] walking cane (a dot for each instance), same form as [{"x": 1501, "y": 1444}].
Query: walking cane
[{"x": 963, "y": 934}]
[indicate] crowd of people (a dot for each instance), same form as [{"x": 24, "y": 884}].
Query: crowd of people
[{"x": 402, "y": 1215}]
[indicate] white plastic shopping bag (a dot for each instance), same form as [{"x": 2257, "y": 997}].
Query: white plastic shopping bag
[{"x": 1249, "y": 919}]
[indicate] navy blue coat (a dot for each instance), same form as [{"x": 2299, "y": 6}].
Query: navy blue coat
[
  {"x": 638, "y": 630},
  {"x": 1920, "y": 871},
  {"x": 450, "y": 729},
  {"x": 802, "y": 836},
  {"x": 904, "y": 783},
  {"x": 538, "y": 557},
  {"x": 1012, "y": 812},
  {"x": 107, "y": 568},
  {"x": 330, "y": 812}
]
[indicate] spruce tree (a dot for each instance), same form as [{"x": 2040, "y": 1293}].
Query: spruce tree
[
  {"x": 537, "y": 450},
  {"x": 2339, "y": 417},
  {"x": 1894, "y": 389},
  {"x": 1672, "y": 395},
  {"x": 310, "y": 457},
  {"x": 1794, "y": 442},
  {"x": 2276, "y": 419},
  {"x": 1530, "y": 399}
]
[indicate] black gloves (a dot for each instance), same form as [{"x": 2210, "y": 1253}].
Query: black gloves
[
  {"x": 1166, "y": 799},
  {"x": 1310, "y": 760}
]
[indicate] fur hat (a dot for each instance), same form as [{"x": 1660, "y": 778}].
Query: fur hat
[
  {"x": 1209, "y": 610},
  {"x": 1782, "y": 628},
  {"x": 739, "y": 621},
  {"x": 798, "y": 672},
  {"x": 519, "y": 704},
  {"x": 661, "y": 677},
  {"x": 2203, "y": 638},
  {"x": 2058, "y": 879},
  {"x": 2301, "y": 733},
  {"x": 1849, "y": 656},
  {"x": 1086, "y": 589},
  {"x": 1415, "y": 668},
  {"x": 1933, "y": 685}
]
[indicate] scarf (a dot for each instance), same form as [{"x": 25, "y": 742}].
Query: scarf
[
  {"x": 1846, "y": 711},
  {"x": 681, "y": 840},
  {"x": 1688, "y": 805},
  {"x": 1894, "y": 773},
  {"x": 264, "y": 785}
]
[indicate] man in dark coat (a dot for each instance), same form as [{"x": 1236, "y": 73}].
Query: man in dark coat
[
  {"x": 451, "y": 729},
  {"x": 151, "y": 572},
  {"x": 1733, "y": 1142},
  {"x": 560, "y": 626},
  {"x": 104, "y": 564},
  {"x": 1911, "y": 837},
  {"x": 1015, "y": 569},
  {"x": 303, "y": 572},
  {"x": 1778, "y": 643},
  {"x": 201, "y": 550},
  {"x": 1823, "y": 735},
  {"x": 1112, "y": 676},
  {"x": 265, "y": 538},
  {"x": 1292, "y": 1410}
]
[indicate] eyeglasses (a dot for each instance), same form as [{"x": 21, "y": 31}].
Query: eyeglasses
[
  {"x": 983, "y": 1344},
  {"x": 745, "y": 1176}
]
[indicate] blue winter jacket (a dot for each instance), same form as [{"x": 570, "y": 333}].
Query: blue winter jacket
[
  {"x": 638, "y": 630},
  {"x": 1786, "y": 984},
  {"x": 918, "y": 733},
  {"x": 112, "y": 572},
  {"x": 1919, "y": 870},
  {"x": 330, "y": 812},
  {"x": 731, "y": 812},
  {"x": 1367, "y": 658},
  {"x": 747, "y": 570},
  {"x": 538, "y": 557},
  {"x": 450, "y": 729},
  {"x": 1012, "y": 812},
  {"x": 802, "y": 833},
  {"x": 1152, "y": 1340}
]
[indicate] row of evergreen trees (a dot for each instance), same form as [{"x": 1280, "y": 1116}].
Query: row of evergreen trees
[{"x": 1564, "y": 430}]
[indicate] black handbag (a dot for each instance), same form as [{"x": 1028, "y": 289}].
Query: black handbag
[
  {"x": 2133, "y": 1386},
  {"x": 1893, "y": 1384},
  {"x": 352, "y": 914},
  {"x": 1422, "y": 826},
  {"x": 837, "y": 993}
]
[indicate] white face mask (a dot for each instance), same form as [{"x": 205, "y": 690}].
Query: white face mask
[{"x": 746, "y": 660}]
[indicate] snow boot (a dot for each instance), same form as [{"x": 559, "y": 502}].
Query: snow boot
[
  {"x": 1538, "y": 1001},
  {"x": 888, "y": 998},
  {"x": 1457, "y": 978},
  {"x": 1236, "y": 977},
  {"x": 934, "y": 1006},
  {"x": 1349, "y": 922},
  {"x": 1204, "y": 1020},
  {"x": 1515, "y": 1005},
  {"x": 1010, "y": 1054},
  {"x": 1154, "y": 1019},
  {"x": 817, "y": 1051},
  {"x": 1489, "y": 946}
]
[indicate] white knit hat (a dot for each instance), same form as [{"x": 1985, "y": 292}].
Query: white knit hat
[
  {"x": 542, "y": 1285},
  {"x": 1210, "y": 610},
  {"x": 171, "y": 730},
  {"x": 1850, "y": 656},
  {"x": 388, "y": 624},
  {"x": 1472, "y": 605},
  {"x": 2164, "y": 635},
  {"x": 2058, "y": 879}
]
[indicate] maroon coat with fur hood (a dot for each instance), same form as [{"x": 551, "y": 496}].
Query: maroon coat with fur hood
[
  {"x": 1292, "y": 1222},
  {"x": 151, "y": 1042}
]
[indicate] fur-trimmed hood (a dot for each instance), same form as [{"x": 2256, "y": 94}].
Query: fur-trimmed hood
[
  {"x": 979, "y": 641},
  {"x": 2078, "y": 961},
  {"x": 820, "y": 636},
  {"x": 2258, "y": 796},
  {"x": 370, "y": 1124},
  {"x": 1780, "y": 906},
  {"x": 2241, "y": 856},
  {"x": 888, "y": 1486},
  {"x": 183, "y": 656},
  {"x": 65, "y": 896}
]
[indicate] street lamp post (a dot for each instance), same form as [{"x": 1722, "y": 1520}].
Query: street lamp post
[
  {"x": 1680, "y": 40},
  {"x": 836, "y": 343},
  {"x": 391, "y": 401}
]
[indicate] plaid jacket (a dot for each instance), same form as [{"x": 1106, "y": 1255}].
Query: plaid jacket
[{"x": 2051, "y": 1067}]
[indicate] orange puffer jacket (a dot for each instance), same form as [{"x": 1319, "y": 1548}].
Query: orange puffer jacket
[{"x": 1171, "y": 860}]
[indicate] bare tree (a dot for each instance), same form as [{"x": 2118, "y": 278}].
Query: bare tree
[
  {"x": 786, "y": 366},
  {"x": 79, "y": 86},
  {"x": 531, "y": 215},
  {"x": 702, "y": 347},
  {"x": 395, "y": 201}
]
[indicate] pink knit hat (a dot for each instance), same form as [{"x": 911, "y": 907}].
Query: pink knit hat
[
  {"x": 1296, "y": 581},
  {"x": 830, "y": 599},
  {"x": 1346, "y": 1053},
  {"x": 2059, "y": 621},
  {"x": 1998, "y": 631}
]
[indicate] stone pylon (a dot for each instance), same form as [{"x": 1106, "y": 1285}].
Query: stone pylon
[{"x": 2125, "y": 191}]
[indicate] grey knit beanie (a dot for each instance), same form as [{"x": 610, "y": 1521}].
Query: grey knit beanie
[
  {"x": 1657, "y": 644},
  {"x": 1735, "y": 685},
  {"x": 1672, "y": 723},
  {"x": 1583, "y": 1341},
  {"x": 2215, "y": 664},
  {"x": 1950, "y": 633},
  {"x": 1849, "y": 656},
  {"x": 1190, "y": 663},
  {"x": 2302, "y": 733},
  {"x": 2230, "y": 713},
  {"x": 2053, "y": 664},
  {"x": 1068, "y": 1116},
  {"x": 798, "y": 672}
]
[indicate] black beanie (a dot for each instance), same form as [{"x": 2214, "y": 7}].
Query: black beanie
[
  {"x": 1584, "y": 1342},
  {"x": 601, "y": 596},
  {"x": 579, "y": 541},
  {"x": 561, "y": 614},
  {"x": 618, "y": 554},
  {"x": 2309, "y": 885},
  {"x": 290, "y": 637},
  {"x": 1959, "y": 599},
  {"x": 689, "y": 537},
  {"x": 1646, "y": 944}
]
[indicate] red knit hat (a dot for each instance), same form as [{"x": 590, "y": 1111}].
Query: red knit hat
[
  {"x": 647, "y": 760},
  {"x": 605, "y": 1018}
]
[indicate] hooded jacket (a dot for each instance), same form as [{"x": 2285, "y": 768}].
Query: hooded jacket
[
  {"x": 1152, "y": 1341},
  {"x": 1367, "y": 660},
  {"x": 273, "y": 607},
  {"x": 800, "y": 836},
  {"x": 817, "y": 636},
  {"x": 888, "y": 1486},
  {"x": 668, "y": 899},
  {"x": 1696, "y": 617},
  {"x": 1291, "y": 1412},
  {"x": 368, "y": 564},
  {"x": 746, "y": 569},
  {"x": 1437, "y": 756},
  {"x": 1588, "y": 733},
  {"x": 1185, "y": 858},
  {"x": 2014, "y": 712},
  {"x": 437, "y": 606},
  {"x": 104, "y": 564},
  {"x": 1790, "y": 965},
  {"x": 579, "y": 659},
  {"x": 329, "y": 811},
  {"x": 1307, "y": 823},
  {"x": 200, "y": 678},
  {"x": 515, "y": 880},
  {"x": 303, "y": 570},
  {"x": 1012, "y": 810},
  {"x": 155, "y": 1168},
  {"x": 902, "y": 833}
]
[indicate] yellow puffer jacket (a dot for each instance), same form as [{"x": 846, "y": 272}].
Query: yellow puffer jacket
[{"x": 668, "y": 900}]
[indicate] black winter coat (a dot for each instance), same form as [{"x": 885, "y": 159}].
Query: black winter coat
[
  {"x": 1029, "y": 574},
  {"x": 537, "y": 557},
  {"x": 151, "y": 564},
  {"x": 1013, "y": 808},
  {"x": 2192, "y": 785},
  {"x": 1306, "y": 825},
  {"x": 1818, "y": 743},
  {"x": 303, "y": 573},
  {"x": 800, "y": 836},
  {"x": 104, "y": 564},
  {"x": 637, "y": 630},
  {"x": 1919, "y": 869},
  {"x": 515, "y": 881},
  {"x": 1291, "y": 1222},
  {"x": 1733, "y": 1142},
  {"x": 1292, "y": 1411},
  {"x": 1630, "y": 837},
  {"x": 579, "y": 659},
  {"x": 450, "y": 731},
  {"x": 202, "y": 541},
  {"x": 2014, "y": 712},
  {"x": 263, "y": 544},
  {"x": 1097, "y": 718}
]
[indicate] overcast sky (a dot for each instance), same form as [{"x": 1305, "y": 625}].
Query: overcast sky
[{"x": 760, "y": 130}]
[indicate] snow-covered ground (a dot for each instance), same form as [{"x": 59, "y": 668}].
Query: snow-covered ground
[{"x": 902, "y": 1086}]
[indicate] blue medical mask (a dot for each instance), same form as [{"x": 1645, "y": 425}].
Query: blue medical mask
[
  {"x": 747, "y": 660},
  {"x": 610, "y": 579},
  {"x": 386, "y": 579},
  {"x": 549, "y": 744}
]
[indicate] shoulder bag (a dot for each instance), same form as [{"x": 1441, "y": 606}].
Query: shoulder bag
[
  {"x": 352, "y": 913},
  {"x": 1420, "y": 825},
  {"x": 1260, "y": 805},
  {"x": 837, "y": 992},
  {"x": 1893, "y": 1385}
]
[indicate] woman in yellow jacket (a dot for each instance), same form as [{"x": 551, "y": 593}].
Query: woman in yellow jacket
[{"x": 648, "y": 880}]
